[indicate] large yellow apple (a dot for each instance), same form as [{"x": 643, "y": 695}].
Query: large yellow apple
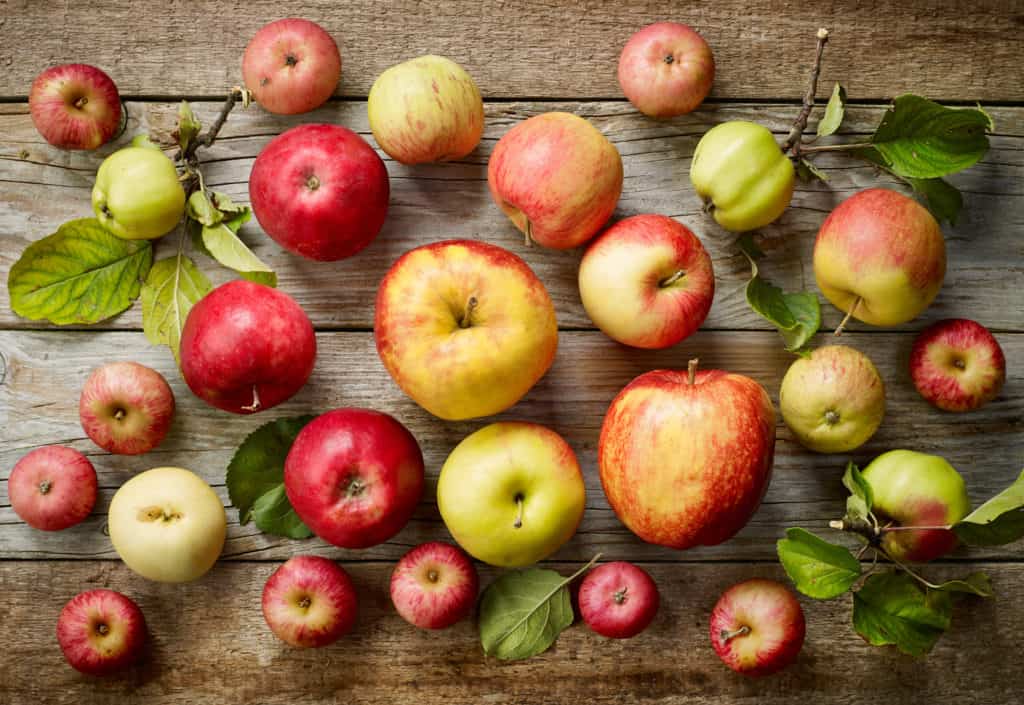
[
  {"x": 465, "y": 328},
  {"x": 167, "y": 525}
]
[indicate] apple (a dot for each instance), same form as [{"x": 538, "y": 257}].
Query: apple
[
  {"x": 167, "y": 525},
  {"x": 101, "y": 632},
  {"x": 427, "y": 109},
  {"x": 465, "y": 328},
  {"x": 741, "y": 174},
  {"x": 833, "y": 400},
  {"x": 320, "y": 191},
  {"x": 618, "y": 600},
  {"x": 75, "y": 106},
  {"x": 557, "y": 178},
  {"x": 354, "y": 477},
  {"x": 309, "y": 602},
  {"x": 757, "y": 627},
  {"x": 291, "y": 66},
  {"x": 246, "y": 347},
  {"x": 666, "y": 69},
  {"x": 434, "y": 585},
  {"x": 126, "y": 408},
  {"x": 511, "y": 493},
  {"x": 52, "y": 488},
  {"x": 647, "y": 282},
  {"x": 916, "y": 489},
  {"x": 137, "y": 195},
  {"x": 957, "y": 365},
  {"x": 685, "y": 456},
  {"x": 880, "y": 257}
]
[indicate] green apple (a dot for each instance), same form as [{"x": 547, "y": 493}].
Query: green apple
[
  {"x": 511, "y": 493},
  {"x": 739, "y": 170},
  {"x": 137, "y": 195},
  {"x": 834, "y": 400}
]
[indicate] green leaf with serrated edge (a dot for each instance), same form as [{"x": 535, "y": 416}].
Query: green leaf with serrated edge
[
  {"x": 891, "y": 608},
  {"x": 998, "y": 521},
  {"x": 834, "y": 112},
  {"x": 200, "y": 209},
  {"x": 921, "y": 139},
  {"x": 942, "y": 199},
  {"x": 188, "y": 125},
  {"x": 228, "y": 207},
  {"x": 227, "y": 248},
  {"x": 818, "y": 569},
  {"x": 173, "y": 286},
  {"x": 975, "y": 584},
  {"x": 80, "y": 274},
  {"x": 806, "y": 170},
  {"x": 861, "y": 499},
  {"x": 255, "y": 478}
]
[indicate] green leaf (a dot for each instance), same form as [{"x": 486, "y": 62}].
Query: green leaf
[
  {"x": 173, "y": 286},
  {"x": 818, "y": 569},
  {"x": 807, "y": 171},
  {"x": 998, "y": 521},
  {"x": 80, "y": 274},
  {"x": 861, "y": 499},
  {"x": 834, "y": 112},
  {"x": 921, "y": 139},
  {"x": 226, "y": 247},
  {"x": 891, "y": 608},
  {"x": 975, "y": 584},
  {"x": 942, "y": 199},
  {"x": 229, "y": 208},
  {"x": 188, "y": 125},
  {"x": 200, "y": 209},
  {"x": 255, "y": 479}
]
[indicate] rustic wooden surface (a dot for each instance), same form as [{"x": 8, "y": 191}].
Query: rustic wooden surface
[{"x": 210, "y": 642}]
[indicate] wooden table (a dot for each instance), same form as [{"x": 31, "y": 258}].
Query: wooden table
[{"x": 210, "y": 644}]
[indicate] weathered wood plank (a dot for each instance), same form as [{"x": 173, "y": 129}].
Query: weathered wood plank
[
  {"x": 41, "y": 187},
  {"x": 762, "y": 48}
]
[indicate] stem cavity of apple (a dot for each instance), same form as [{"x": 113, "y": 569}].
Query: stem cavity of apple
[
  {"x": 831, "y": 417},
  {"x": 726, "y": 636},
  {"x": 793, "y": 138},
  {"x": 119, "y": 414},
  {"x": 518, "y": 523},
  {"x": 149, "y": 514},
  {"x": 44, "y": 487},
  {"x": 691, "y": 371},
  {"x": 102, "y": 629},
  {"x": 669, "y": 281},
  {"x": 846, "y": 319},
  {"x": 312, "y": 183},
  {"x": 620, "y": 595},
  {"x": 355, "y": 486}
]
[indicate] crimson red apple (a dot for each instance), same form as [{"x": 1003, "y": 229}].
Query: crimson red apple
[
  {"x": 309, "y": 602},
  {"x": 354, "y": 476},
  {"x": 434, "y": 585},
  {"x": 101, "y": 632},
  {"x": 757, "y": 627},
  {"x": 52, "y": 488},
  {"x": 618, "y": 600},
  {"x": 320, "y": 191},
  {"x": 291, "y": 66},
  {"x": 246, "y": 347},
  {"x": 957, "y": 365},
  {"x": 126, "y": 408},
  {"x": 75, "y": 106},
  {"x": 666, "y": 69}
]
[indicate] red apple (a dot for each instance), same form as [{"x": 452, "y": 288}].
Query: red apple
[
  {"x": 685, "y": 457},
  {"x": 75, "y": 106},
  {"x": 957, "y": 365},
  {"x": 757, "y": 627},
  {"x": 291, "y": 66},
  {"x": 666, "y": 69},
  {"x": 618, "y": 600},
  {"x": 246, "y": 347},
  {"x": 101, "y": 632},
  {"x": 126, "y": 408},
  {"x": 52, "y": 488},
  {"x": 354, "y": 476},
  {"x": 434, "y": 585},
  {"x": 557, "y": 177},
  {"x": 320, "y": 191},
  {"x": 647, "y": 282},
  {"x": 309, "y": 602}
]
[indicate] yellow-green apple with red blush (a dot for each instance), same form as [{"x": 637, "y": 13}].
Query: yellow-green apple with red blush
[
  {"x": 126, "y": 408},
  {"x": 137, "y": 194},
  {"x": 666, "y": 69},
  {"x": 647, "y": 281},
  {"x": 757, "y": 627},
  {"x": 354, "y": 476},
  {"x": 880, "y": 257},
  {"x": 511, "y": 493},
  {"x": 434, "y": 585},
  {"x": 75, "y": 106},
  {"x": 557, "y": 178},
  {"x": 618, "y": 600},
  {"x": 291, "y": 66},
  {"x": 465, "y": 328},
  {"x": 101, "y": 632},
  {"x": 309, "y": 602},
  {"x": 52, "y": 488},
  {"x": 957, "y": 365},
  {"x": 685, "y": 456}
]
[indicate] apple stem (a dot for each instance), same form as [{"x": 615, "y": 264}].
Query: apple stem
[
  {"x": 919, "y": 578},
  {"x": 885, "y": 529},
  {"x": 849, "y": 146},
  {"x": 207, "y": 138},
  {"x": 669, "y": 281},
  {"x": 81, "y": 102},
  {"x": 831, "y": 417},
  {"x": 255, "y": 406},
  {"x": 846, "y": 319},
  {"x": 691, "y": 371},
  {"x": 467, "y": 316},
  {"x": 620, "y": 595},
  {"x": 793, "y": 138},
  {"x": 518, "y": 523},
  {"x": 44, "y": 487},
  {"x": 728, "y": 636},
  {"x": 528, "y": 233},
  {"x": 102, "y": 628},
  {"x": 119, "y": 414},
  {"x": 837, "y": 524}
]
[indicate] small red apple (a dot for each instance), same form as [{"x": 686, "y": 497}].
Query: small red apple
[
  {"x": 434, "y": 585},
  {"x": 309, "y": 602},
  {"x": 618, "y": 600},
  {"x": 957, "y": 365},
  {"x": 666, "y": 69},
  {"x": 354, "y": 476},
  {"x": 126, "y": 408},
  {"x": 75, "y": 106},
  {"x": 101, "y": 632},
  {"x": 320, "y": 191},
  {"x": 291, "y": 66},
  {"x": 757, "y": 627},
  {"x": 52, "y": 488},
  {"x": 246, "y": 347}
]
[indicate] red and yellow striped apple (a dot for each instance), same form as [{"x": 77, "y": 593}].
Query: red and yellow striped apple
[
  {"x": 757, "y": 627},
  {"x": 957, "y": 365},
  {"x": 666, "y": 69},
  {"x": 291, "y": 66},
  {"x": 309, "y": 602},
  {"x": 75, "y": 106}
]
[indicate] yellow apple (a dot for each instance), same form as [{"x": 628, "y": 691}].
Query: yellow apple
[{"x": 137, "y": 195}]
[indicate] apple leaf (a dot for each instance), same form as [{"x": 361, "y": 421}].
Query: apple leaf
[
  {"x": 942, "y": 199},
  {"x": 255, "y": 479},
  {"x": 188, "y": 126},
  {"x": 229, "y": 208},
  {"x": 891, "y": 608},
  {"x": 807, "y": 171},
  {"x": 200, "y": 209},
  {"x": 975, "y": 584},
  {"x": 998, "y": 521},
  {"x": 861, "y": 499},
  {"x": 818, "y": 569},
  {"x": 80, "y": 274},
  {"x": 220, "y": 219},
  {"x": 834, "y": 112},
  {"x": 173, "y": 286}
]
